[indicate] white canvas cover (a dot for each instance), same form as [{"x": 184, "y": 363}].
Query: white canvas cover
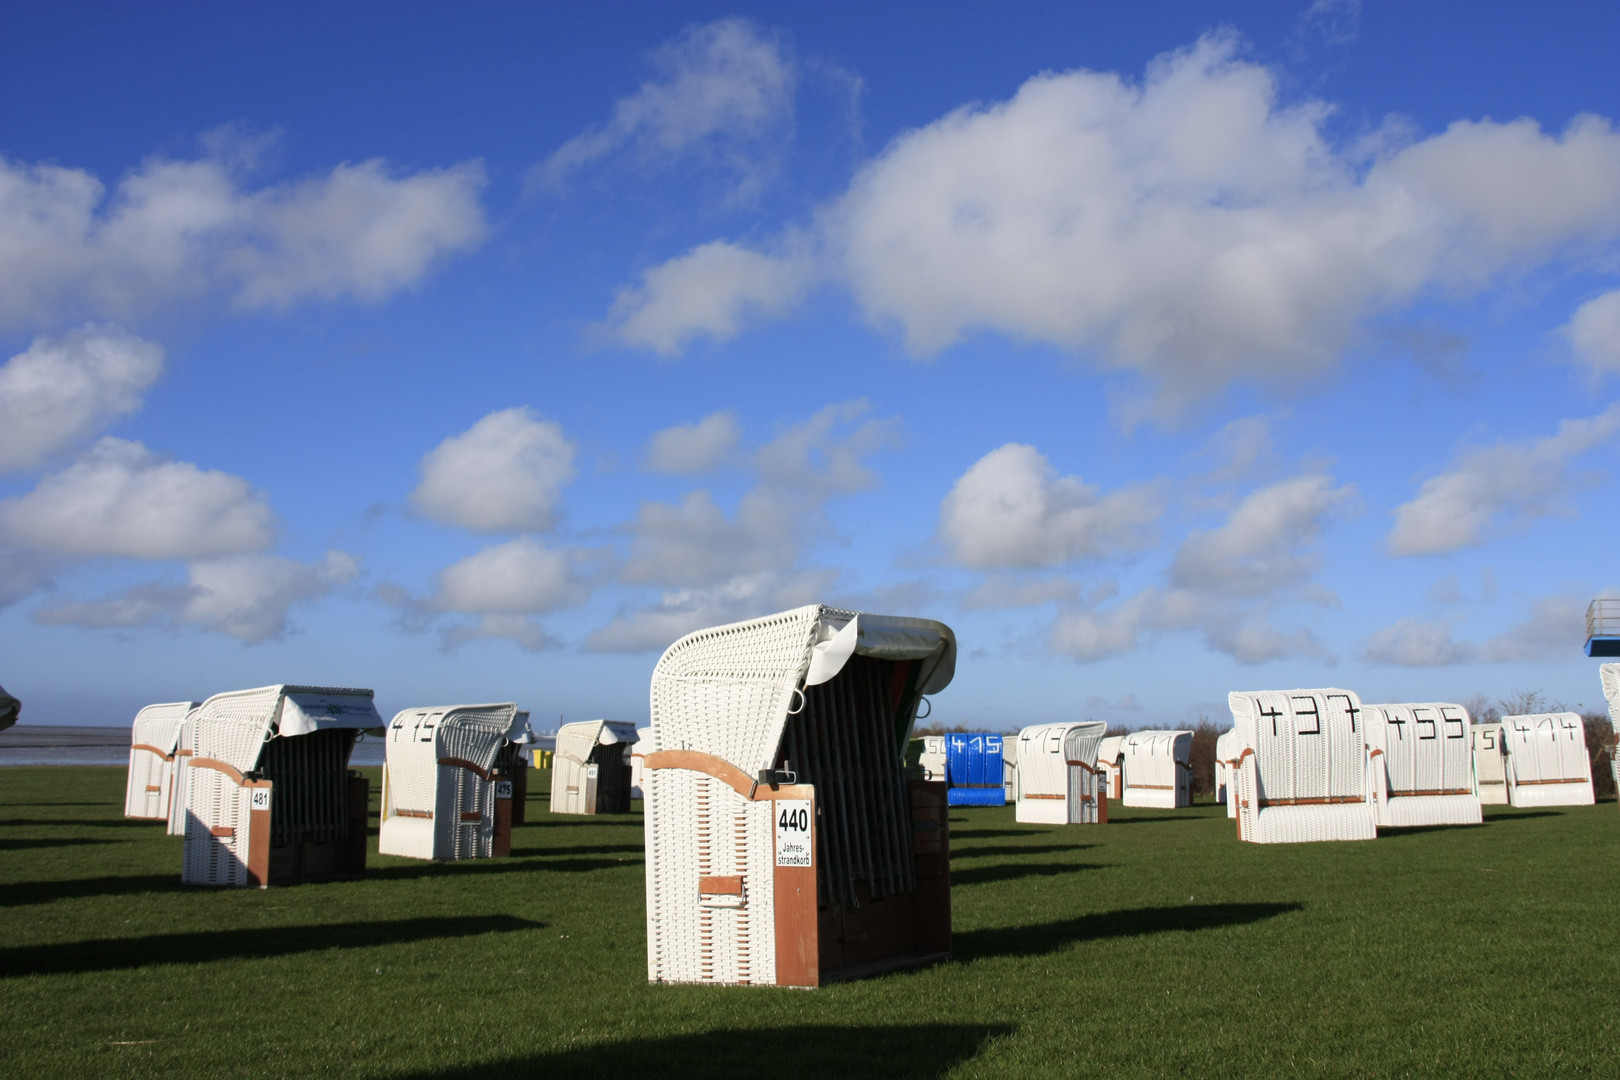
[
  {"x": 1058, "y": 781},
  {"x": 227, "y": 736},
  {"x": 638, "y": 758},
  {"x": 1490, "y": 763},
  {"x": 1422, "y": 764},
  {"x": 1110, "y": 752},
  {"x": 1157, "y": 769},
  {"x": 438, "y": 797},
  {"x": 573, "y": 774},
  {"x": 1228, "y": 745},
  {"x": 1009, "y": 769},
  {"x": 1302, "y": 771},
  {"x": 153, "y": 739},
  {"x": 184, "y": 747},
  {"x": 1547, "y": 764},
  {"x": 724, "y": 694}
]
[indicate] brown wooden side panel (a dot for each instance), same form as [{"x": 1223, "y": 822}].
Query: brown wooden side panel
[
  {"x": 501, "y": 844},
  {"x": 798, "y": 937},
  {"x": 258, "y": 867},
  {"x": 931, "y": 834},
  {"x": 520, "y": 791},
  {"x": 359, "y": 825}
]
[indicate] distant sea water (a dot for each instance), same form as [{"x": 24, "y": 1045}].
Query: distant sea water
[{"x": 50, "y": 744}]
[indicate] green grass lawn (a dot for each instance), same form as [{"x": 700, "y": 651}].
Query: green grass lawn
[{"x": 1157, "y": 945}]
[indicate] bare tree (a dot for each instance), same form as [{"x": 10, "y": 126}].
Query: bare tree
[
  {"x": 1523, "y": 703},
  {"x": 1480, "y": 708}
]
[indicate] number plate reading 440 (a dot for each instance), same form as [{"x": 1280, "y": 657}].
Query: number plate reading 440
[{"x": 793, "y": 844}]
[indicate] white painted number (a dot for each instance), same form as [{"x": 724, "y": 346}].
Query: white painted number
[{"x": 793, "y": 843}]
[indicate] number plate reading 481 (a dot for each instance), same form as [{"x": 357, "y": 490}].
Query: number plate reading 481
[{"x": 793, "y": 846}]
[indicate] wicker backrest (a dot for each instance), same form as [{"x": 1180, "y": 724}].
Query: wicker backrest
[
  {"x": 1308, "y": 744},
  {"x": 1421, "y": 747},
  {"x": 1151, "y": 757},
  {"x": 1546, "y": 746},
  {"x": 727, "y": 690}
]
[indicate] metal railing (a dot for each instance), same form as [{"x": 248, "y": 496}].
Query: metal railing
[{"x": 1603, "y": 618}]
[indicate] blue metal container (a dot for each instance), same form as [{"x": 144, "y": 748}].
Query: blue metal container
[{"x": 973, "y": 768}]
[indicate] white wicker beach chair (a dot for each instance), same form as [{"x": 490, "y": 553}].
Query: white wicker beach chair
[
  {"x": 269, "y": 799},
  {"x": 445, "y": 794},
  {"x": 1157, "y": 769},
  {"x": 154, "y": 738},
  {"x": 1110, "y": 755},
  {"x": 1490, "y": 763},
  {"x": 1547, "y": 763},
  {"x": 1422, "y": 764},
  {"x": 1302, "y": 772},
  {"x": 1228, "y": 745},
  {"x": 10, "y": 709},
  {"x": 1058, "y": 779},
  {"x": 784, "y": 844},
  {"x": 638, "y": 760},
  {"x": 591, "y": 770}
]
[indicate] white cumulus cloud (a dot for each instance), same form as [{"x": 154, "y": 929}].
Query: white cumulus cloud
[
  {"x": 120, "y": 499},
  {"x": 718, "y": 567},
  {"x": 176, "y": 230},
  {"x": 247, "y": 597},
  {"x": 1188, "y": 226},
  {"x": 723, "y": 97},
  {"x": 711, "y": 290},
  {"x": 505, "y": 473},
  {"x": 695, "y": 448},
  {"x": 1499, "y": 487},
  {"x": 1594, "y": 332},
  {"x": 1555, "y": 628},
  {"x": 519, "y": 577},
  {"x": 1226, "y": 583},
  {"x": 1412, "y": 642},
  {"x": 62, "y": 389},
  {"x": 1012, "y": 509}
]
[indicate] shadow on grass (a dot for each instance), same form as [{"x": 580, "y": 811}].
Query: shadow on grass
[
  {"x": 1014, "y": 849},
  {"x": 590, "y": 820},
  {"x": 1145, "y": 820},
  {"x": 64, "y": 841},
  {"x": 1389, "y": 832},
  {"x": 986, "y": 875},
  {"x": 1133, "y": 922},
  {"x": 254, "y": 943},
  {"x": 97, "y": 823},
  {"x": 593, "y": 849},
  {"x": 24, "y": 893},
  {"x": 1520, "y": 815},
  {"x": 425, "y": 869},
  {"x": 907, "y": 1050},
  {"x": 992, "y": 833}
]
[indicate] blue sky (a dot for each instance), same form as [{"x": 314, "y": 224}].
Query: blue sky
[{"x": 477, "y": 352}]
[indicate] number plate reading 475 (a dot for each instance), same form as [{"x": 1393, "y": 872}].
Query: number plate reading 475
[{"x": 793, "y": 845}]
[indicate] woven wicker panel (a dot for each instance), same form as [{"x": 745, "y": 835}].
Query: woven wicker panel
[
  {"x": 233, "y": 727},
  {"x": 1547, "y": 762},
  {"x": 1490, "y": 766},
  {"x": 698, "y": 827},
  {"x": 726, "y": 691},
  {"x": 187, "y": 741},
  {"x": 1156, "y": 772},
  {"x": 1043, "y": 771},
  {"x": 1422, "y": 762},
  {"x": 146, "y": 770},
  {"x": 213, "y": 800},
  {"x": 1306, "y": 745}
]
